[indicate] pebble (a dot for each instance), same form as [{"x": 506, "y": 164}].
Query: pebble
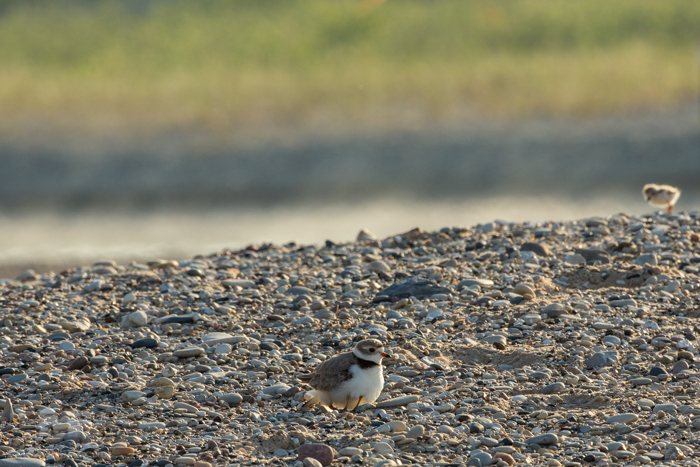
[
  {"x": 122, "y": 450},
  {"x": 624, "y": 418},
  {"x": 138, "y": 319},
  {"x": 189, "y": 352},
  {"x": 397, "y": 401},
  {"x": 649, "y": 259},
  {"x": 416, "y": 431},
  {"x": 311, "y": 462},
  {"x": 22, "y": 462},
  {"x": 78, "y": 363},
  {"x": 553, "y": 388},
  {"x": 383, "y": 448},
  {"x": 414, "y": 287},
  {"x": 321, "y": 452},
  {"x": 479, "y": 458},
  {"x": 538, "y": 249},
  {"x": 146, "y": 342},
  {"x": 679, "y": 366},
  {"x": 602, "y": 359},
  {"x": 8, "y": 414},
  {"x": 543, "y": 440}
]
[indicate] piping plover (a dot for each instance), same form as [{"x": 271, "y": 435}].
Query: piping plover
[
  {"x": 348, "y": 380},
  {"x": 661, "y": 195}
]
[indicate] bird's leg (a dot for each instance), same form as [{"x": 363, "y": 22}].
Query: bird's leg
[
  {"x": 352, "y": 403},
  {"x": 311, "y": 402},
  {"x": 670, "y": 208}
]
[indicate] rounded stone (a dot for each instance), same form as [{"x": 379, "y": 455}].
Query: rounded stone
[
  {"x": 311, "y": 462},
  {"x": 138, "y": 319},
  {"x": 416, "y": 431},
  {"x": 122, "y": 450},
  {"x": 623, "y": 418},
  {"x": 146, "y": 342},
  {"x": 553, "y": 388},
  {"x": 189, "y": 352},
  {"x": 383, "y": 448},
  {"x": 543, "y": 440},
  {"x": 522, "y": 289},
  {"x": 78, "y": 363},
  {"x": 232, "y": 398},
  {"x": 536, "y": 248},
  {"x": 22, "y": 462},
  {"x": 321, "y": 452}
]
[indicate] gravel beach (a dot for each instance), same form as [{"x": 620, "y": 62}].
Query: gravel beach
[{"x": 558, "y": 344}]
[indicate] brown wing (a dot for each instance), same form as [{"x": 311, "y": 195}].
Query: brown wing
[{"x": 329, "y": 374}]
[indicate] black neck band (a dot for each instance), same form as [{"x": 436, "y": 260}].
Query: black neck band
[{"x": 362, "y": 363}]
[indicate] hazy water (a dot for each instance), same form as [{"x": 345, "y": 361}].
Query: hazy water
[{"x": 175, "y": 196}]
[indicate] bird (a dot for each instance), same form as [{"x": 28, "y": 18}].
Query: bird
[
  {"x": 348, "y": 380},
  {"x": 661, "y": 195}
]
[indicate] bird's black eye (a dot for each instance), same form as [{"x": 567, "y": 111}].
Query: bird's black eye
[{"x": 372, "y": 350}]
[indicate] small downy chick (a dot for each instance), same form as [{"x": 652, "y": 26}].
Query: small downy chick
[{"x": 661, "y": 195}]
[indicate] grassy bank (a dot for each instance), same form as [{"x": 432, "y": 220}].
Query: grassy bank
[{"x": 220, "y": 64}]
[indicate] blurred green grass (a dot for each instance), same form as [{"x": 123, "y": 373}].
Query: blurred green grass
[{"x": 219, "y": 64}]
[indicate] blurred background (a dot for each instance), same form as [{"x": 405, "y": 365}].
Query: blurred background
[{"x": 138, "y": 129}]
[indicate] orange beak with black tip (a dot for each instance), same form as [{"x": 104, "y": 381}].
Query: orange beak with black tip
[{"x": 384, "y": 354}]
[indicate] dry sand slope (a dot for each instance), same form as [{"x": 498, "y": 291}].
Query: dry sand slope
[{"x": 557, "y": 344}]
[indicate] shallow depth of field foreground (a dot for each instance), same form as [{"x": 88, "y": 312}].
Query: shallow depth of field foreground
[{"x": 551, "y": 344}]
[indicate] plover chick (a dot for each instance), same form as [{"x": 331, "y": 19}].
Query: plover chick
[
  {"x": 661, "y": 195},
  {"x": 348, "y": 380}
]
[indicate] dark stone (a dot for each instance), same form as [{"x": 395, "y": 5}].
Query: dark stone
[
  {"x": 553, "y": 388},
  {"x": 414, "y": 287},
  {"x": 7, "y": 371},
  {"x": 679, "y": 366},
  {"x": 536, "y": 248},
  {"x": 592, "y": 255},
  {"x": 299, "y": 290},
  {"x": 59, "y": 336},
  {"x": 483, "y": 300},
  {"x": 514, "y": 298},
  {"x": 602, "y": 359},
  {"x": 475, "y": 427},
  {"x": 474, "y": 246},
  {"x": 69, "y": 443},
  {"x": 320, "y": 452},
  {"x": 177, "y": 319},
  {"x": 147, "y": 342},
  {"x": 656, "y": 371},
  {"x": 78, "y": 364}
]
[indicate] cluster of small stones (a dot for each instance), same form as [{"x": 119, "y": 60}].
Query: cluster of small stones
[{"x": 550, "y": 344}]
